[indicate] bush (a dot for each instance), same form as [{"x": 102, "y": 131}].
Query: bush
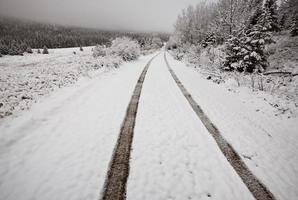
[
  {"x": 45, "y": 50},
  {"x": 126, "y": 48},
  {"x": 38, "y": 51},
  {"x": 29, "y": 50},
  {"x": 99, "y": 50},
  {"x": 81, "y": 48}
]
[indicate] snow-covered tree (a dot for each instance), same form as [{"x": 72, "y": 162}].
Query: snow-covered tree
[
  {"x": 269, "y": 17},
  {"x": 45, "y": 50},
  {"x": 247, "y": 52},
  {"x": 210, "y": 40},
  {"x": 4, "y": 50},
  {"x": 29, "y": 50},
  {"x": 294, "y": 27}
]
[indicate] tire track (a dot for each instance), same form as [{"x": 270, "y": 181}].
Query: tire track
[
  {"x": 115, "y": 184},
  {"x": 255, "y": 186}
]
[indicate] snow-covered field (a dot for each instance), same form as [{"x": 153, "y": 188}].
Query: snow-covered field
[
  {"x": 23, "y": 79},
  {"x": 268, "y": 143},
  {"x": 61, "y": 147}
]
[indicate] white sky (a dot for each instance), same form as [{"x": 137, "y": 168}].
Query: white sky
[{"x": 136, "y": 15}]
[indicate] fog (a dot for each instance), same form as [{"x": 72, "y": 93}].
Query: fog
[{"x": 135, "y": 15}]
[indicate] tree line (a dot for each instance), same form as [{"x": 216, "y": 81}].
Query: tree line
[
  {"x": 18, "y": 36},
  {"x": 244, "y": 26}
]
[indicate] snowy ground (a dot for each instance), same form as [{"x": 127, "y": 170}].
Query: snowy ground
[
  {"x": 24, "y": 79},
  {"x": 267, "y": 143},
  {"x": 61, "y": 147},
  {"x": 174, "y": 156}
]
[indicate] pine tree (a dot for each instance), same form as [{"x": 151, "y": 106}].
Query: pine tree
[
  {"x": 234, "y": 53},
  {"x": 45, "y": 50},
  {"x": 38, "y": 51},
  {"x": 269, "y": 17},
  {"x": 209, "y": 40},
  {"x": 29, "y": 50},
  {"x": 294, "y": 28},
  {"x": 246, "y": 51},
  {"x": 4, "y": 50},
  {"x": 255, "y": 17}
]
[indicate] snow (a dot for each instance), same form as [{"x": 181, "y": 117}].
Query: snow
[
  {"x": 174, "y": 156},
  {"x": 267, "y": 143},
  {"x": 62, "y": 146},
  {"x": 24, "y": 79}
]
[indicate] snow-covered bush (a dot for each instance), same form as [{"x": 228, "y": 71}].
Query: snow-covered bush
[
  {"x": 126, "y": 48},
  {"x": 156, "y": 43},
  {"x": 99, "y": 50}
]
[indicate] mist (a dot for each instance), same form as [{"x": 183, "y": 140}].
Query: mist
[{"x": 134, "y": 15}]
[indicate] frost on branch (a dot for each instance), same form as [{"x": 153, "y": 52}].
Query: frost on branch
[{"x": 126, "y": 48}]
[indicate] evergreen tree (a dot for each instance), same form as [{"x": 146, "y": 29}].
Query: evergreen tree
[
  {"x": 209, "y": 40},
  {"x": 269, "y": 17},
  {"x": 294, "y": 28},
  {"x": 81, "y": 48},
  {"x": 255, "y": 17},
  {"x": 246, "y": 52},
  {"x": 4, "y": 50},
  {"x": 38, "y": 51},
  {"x": 29, "y": 50},
  {"x": 45, "y": 50}
]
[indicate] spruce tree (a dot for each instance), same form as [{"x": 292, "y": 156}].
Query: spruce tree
[
  {"x": 246, "y": 51},
  {"x": 29, "y": 50},
  {"x": 269, "y": 17},
  {"x": 294, "y": 27},
  {"x": 45, "y": 50}
]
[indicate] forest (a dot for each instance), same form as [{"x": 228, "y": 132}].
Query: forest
[
  {"x": 19, "y": 36},
  {"x": 245, "y": 29}
]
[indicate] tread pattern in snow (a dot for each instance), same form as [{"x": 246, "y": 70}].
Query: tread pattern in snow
[
  {"x": 115, "y": 185},
  {"x": 255, "y": 186}
]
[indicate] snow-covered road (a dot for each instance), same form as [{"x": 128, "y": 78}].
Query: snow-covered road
[
  {"x": 174, "y": 156},
  {"x": 61, "y": 148}
]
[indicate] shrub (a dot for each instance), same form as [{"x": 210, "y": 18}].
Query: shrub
[
  {"x": 38, "y": 51},
  {"x": 29, "y": 50},
  {"x": 99, "y": 50},
  {"x": 81, "y": 48},
  {"x": 126, "y": 48},
  {"x": 45, "y": 50}
]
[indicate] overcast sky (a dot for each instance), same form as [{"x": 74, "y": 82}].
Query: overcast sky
[{"x": 136, "y": 15}]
